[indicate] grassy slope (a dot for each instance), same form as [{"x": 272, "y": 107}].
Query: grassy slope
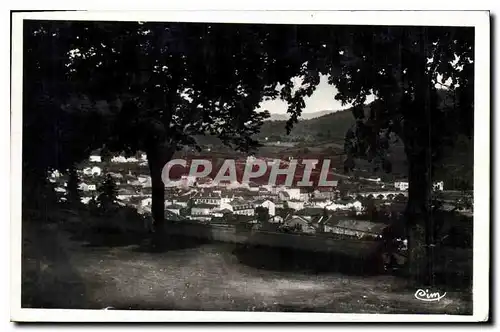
[{"x": 62, "y": 271}]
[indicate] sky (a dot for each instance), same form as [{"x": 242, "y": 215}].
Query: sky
[{"x": 322, "y": 99}]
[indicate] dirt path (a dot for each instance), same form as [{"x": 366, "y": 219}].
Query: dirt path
[{"x": 59, "y": 271}]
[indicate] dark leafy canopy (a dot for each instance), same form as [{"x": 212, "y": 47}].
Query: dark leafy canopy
[
  {"x": 60, "y": 125},
  {"x": 182, "y": 79},
  {"x": 155, "y": 86},
  {"x": 404, "y": 68}
]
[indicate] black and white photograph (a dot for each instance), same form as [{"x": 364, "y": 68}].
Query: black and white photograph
[{"x": 298, "y": 165}]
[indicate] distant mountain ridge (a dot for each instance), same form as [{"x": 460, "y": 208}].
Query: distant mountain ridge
[{"x": 304, "y": 116}]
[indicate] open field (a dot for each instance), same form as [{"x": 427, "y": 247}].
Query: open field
[{"x": 63, "y": 269}]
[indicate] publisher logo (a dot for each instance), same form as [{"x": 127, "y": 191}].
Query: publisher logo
[{"x": 425, "y": 295}]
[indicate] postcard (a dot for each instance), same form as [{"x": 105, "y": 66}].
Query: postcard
[{"x": 250, "y": 166}]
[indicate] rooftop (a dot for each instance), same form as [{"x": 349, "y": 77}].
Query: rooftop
[
  {"x": 203, "y": 206},
  {"x": 310, "y": 211},
  {"x": 260, "y": 201},
  {"x": 237, "y": 202},
  {"x": 355, "y": 224},
  {"x": 173, "y": 206}
]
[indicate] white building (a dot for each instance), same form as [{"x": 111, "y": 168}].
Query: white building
[
  {"x": 87, "y": 187},
  {"x": 438, "y": 186},
  {"x": 55, "y": 174},
  {"x": 226, "y": 199},
  {"x": 253, "y": 187},
  {"x": 122, "y": 159},
  {"x": 92, "y": 171},
  {"x": 208, "y": 199},
  {"x": 220, "y": 212},
  {"x": 401, "y": 185},
  {"x": 59, "y": 190},
  {"x": 214, "y": 198},
  {"x": 272, "y": 189},
  {"x": 356, "y": 205},
  {"x": 174, "y": 208},
  {"x": 295, "y": 204},
  {"x": 202, "y": 217},
  {"x": 202, "y": 209},
  {"x": 372, "y": 180},
  {"x": 319, "y": 202},
  {"x": 242, "y": 208},
  {"x": 146, "y": 202},
  {"x": 85, "y": 200},
  {"x": 305, "y": 226},
  {"x": 144, "y": 180},
  {"x": 181, "y": 201},
  {"x": 95, "y": 159},
  {"x": 294, "y": 193},
  {"x": 304, "y": 195},
  {"x": 119, "y": 159},
  {"x": 270, "y": 206}
]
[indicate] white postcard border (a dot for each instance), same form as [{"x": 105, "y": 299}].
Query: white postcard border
[{"x": 479, "y": 19}]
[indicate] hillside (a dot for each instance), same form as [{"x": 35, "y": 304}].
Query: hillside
[
  {"x": 326, "y": 133},
  {"x": 332, "y": 125},
  {"x": 318, "y": 126},
  {"x": 324, "y": 137}
]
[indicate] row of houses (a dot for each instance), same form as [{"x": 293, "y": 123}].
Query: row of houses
[
  {"x": 301, "y": 222},
  {"x": 404, "y": 185},
  {"x": 243, "y": 202},
  {"x": 240, "y": 206},
  {"x": 337, "y": 224},
  {"x": 119, "y": 159}
]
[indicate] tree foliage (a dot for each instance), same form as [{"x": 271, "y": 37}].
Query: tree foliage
[
  {"x": 405, "y": 69},
  {"x": 155, "y": 86},
  {"x": 262, "y": 214},
  {"x": 177, "y": 80},
  {"x": 108, "y": 193},
  {"x": 181, "y": 79}
]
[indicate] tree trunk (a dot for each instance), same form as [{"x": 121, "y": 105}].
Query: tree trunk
[
  {"x": 420, "y": 226},
  {"x": 418, "y": 146},
  {"x": 158, "y": 156}
]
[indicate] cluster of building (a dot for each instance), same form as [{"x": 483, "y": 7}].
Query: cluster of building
[
  {"x": 285, "y": 209},
  {"x": 310, "y": 210},
  {"x": 93, "y": 174}
]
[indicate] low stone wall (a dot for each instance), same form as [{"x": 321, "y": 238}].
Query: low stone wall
[{"x": 321, "y": 243}]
